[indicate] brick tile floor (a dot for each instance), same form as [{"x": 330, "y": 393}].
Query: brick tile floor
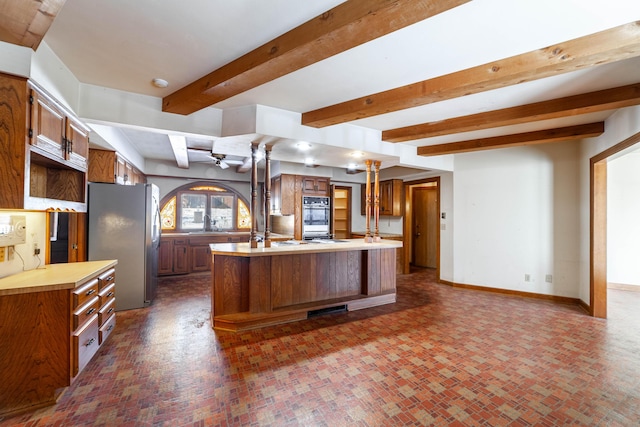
[{"x": 439, "y": 357}]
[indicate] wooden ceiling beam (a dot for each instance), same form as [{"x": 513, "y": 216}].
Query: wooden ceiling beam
[
  {"x": 529, "y": 138},
  {"x": 25, "y": 23},
  {"x": 602, "y": 100},
  {"x": 347, "y": 25},
  {"x": 607, "y": 46}
]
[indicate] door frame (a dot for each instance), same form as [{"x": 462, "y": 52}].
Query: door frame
[
  {"x": 349, "y": 190},
  {"x": 598, "y": 224},
  {"x": 408, "y": 219}
]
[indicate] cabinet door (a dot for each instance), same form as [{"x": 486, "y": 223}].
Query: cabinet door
[
  {"x": 180, "y": 258},
  {"x": 102, "y": 166},
  {"x": 200, "y": 258},
  {"x": 288, "y": 194},
  {"x": 316, "y": 186},
  {"x": 121, "y": 170},
  {"x": 13, "y": 137},
  {"x": 48, "y": 123},
  {"x": 77, "y": 143},
  {"x": 276, "y": 201},
  {"x": 386, "y": 198},
  {"x": 165, "y": 257},
  {"x": 323, "y": 186}
]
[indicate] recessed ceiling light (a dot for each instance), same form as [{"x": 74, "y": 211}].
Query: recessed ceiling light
[
  {"x": 303, "y": 146},
  {"x": 357, "y": 154},
  {"x": 352, "y": 166},
  {"x": 161, "y": 83},
  {"x": 308, "y": 161}
]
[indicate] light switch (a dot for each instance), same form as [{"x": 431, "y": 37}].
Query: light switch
[{"x": 443, "y": 215}]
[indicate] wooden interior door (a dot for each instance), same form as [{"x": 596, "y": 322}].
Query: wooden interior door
[{"x": 425, "y": 227}]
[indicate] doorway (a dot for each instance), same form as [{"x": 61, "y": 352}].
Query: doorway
[
  {"x": 422, "y": 225},
  {"x": 67, "y": 237},
  {"x": 342, "y": 212},
  {"x": 598, "y": 215}
]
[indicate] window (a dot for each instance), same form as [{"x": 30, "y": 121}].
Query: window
[{"x": 204, "y": 208}]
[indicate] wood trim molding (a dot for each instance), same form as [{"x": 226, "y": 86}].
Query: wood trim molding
[
  {"x": 598, "y": 225},
  {"x": 568, "y": 106},
  {"x": 515, "y": 293},
  {"x": 604, "y": 47},
  {"x": 514, "y": 140},
  {"x": 26, "y": 22},
  {"x": 347, "y": 25}
]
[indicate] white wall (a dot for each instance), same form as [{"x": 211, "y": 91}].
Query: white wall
[
  {"x": 623, "y": 220},
  {"x": 516, "y": 214},
  {"x": 36, "y": 230}
]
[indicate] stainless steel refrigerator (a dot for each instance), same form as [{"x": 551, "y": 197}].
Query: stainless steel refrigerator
[{"x": 124, "y": 224}]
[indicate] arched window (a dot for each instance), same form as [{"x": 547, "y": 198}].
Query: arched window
[{"x": 202, "y": 206}]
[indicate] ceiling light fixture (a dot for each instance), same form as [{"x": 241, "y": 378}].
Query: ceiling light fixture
[
  {"x": 160, "y": 83},
  {"x": 357, "y": 154},
  {"x": 303, "y": 146}
]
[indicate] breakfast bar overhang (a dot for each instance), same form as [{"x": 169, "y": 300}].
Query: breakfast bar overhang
[{"x": 257, "y": 287}]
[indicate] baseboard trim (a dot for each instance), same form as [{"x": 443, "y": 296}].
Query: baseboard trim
[
  {"x": 511, "y": 292},
  {"x": 623, "y": 287}
]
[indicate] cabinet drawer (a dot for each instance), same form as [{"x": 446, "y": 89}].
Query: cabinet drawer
[
  {"x": 85, "y": 344},
  {"x": 107, "y": 278},
  {"x": 107, "y": 294},
  {"x": 85, "y": 311},
  {"x": 84, "y": 292},
  {"x": 107, "y": 328},
  {"x": 106, "y": 311}
]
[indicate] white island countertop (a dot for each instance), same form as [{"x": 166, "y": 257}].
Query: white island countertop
[
  {"x": 301, "y": 246},
  {"x": 53, "y": 277}
]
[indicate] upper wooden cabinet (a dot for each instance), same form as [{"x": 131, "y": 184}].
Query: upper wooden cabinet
[
  {"x": 284, "y": 194},
  {"x": 316, "y": 186},
  {"x": 57, "y": 132},
  {"x": 109, "y": 166},
  {"x": 38, "y": 170},
  {"x": 391, "y": 197}
]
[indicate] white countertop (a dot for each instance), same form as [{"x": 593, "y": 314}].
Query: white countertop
[
  {"x": 53, "y": 277},
  {"x": 297, "y": 247}
]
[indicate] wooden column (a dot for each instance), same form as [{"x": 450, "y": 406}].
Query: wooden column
[
  {"x": 376, "y": 205},
  {"x": 267, "y": 196},
  {"x": 367, "y": 236},
  {"x": 253, "y": 239}
]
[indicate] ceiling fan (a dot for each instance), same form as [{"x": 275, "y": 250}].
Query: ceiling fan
[{"x": 218, "y": 159}]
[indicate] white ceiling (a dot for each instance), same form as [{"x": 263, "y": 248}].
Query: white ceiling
[{"x": 124, "y": 44}]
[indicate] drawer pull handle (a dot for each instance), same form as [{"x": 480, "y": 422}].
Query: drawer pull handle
[
  {"x": 90, "y": 311},
  {"x": 110, "y": 294},
  {"x": 91, "y": 341},
  {"x": 109, "y": 328},
  {"x": 110, "y": 310},
  {"x": 108, "y": 279},
  {"x": 90, "y": 291}
]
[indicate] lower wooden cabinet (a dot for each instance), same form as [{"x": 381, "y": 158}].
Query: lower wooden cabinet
[
  {"x": 183, "y": 255},
  {"x": 48, "y": 337},
  {"x": 92, "y": 306}
]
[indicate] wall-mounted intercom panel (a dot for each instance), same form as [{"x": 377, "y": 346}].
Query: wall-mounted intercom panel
[{"x": 13, "y": 230}]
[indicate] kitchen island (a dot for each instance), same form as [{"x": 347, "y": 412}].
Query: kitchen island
[{"x": 256, "y": 287}]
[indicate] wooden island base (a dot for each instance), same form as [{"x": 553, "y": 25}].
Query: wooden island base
[{"x": 253, "y": 288}]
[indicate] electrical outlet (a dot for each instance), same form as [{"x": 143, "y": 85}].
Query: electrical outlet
[
  {"x": 10, "y": 253},
  {"x": 527, "y": 277},
  {"x": 2, "y": 254},
  {"x": 36, "y": 249},
  {"x": 548, "y": 278}
]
